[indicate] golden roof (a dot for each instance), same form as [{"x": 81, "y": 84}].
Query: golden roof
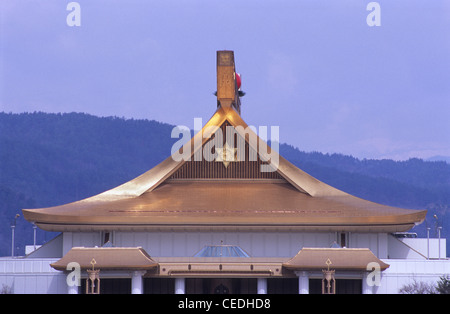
[
  {"x": 194, "y": 195},
  {"x": 226, "y": 205},
  {"x": 107, "y": 258},
  {"x": 335, "y": 258}
]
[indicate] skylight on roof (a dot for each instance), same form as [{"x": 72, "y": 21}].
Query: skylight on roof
[{"x": 221, "y": 251}]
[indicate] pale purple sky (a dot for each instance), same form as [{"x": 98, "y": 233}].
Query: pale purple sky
[{"x": 314, "y": 68}]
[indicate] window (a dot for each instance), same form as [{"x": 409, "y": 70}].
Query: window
[
  {"x": 107, "y": 238},
  {"x": 342, "y": 239},
  {"x": 221, "y": 251}
]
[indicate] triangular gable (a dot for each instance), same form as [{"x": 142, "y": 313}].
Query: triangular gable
[
  {"x": 226, "y": 155},
  {"x": 228, "y": 110},
  {"x": 302, "y": 181},
  {"x": 151, "y": 179}
]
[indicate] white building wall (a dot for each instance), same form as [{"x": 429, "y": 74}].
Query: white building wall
[
  {"x": 31, "y": 276},
  {"x": 256, "y": 244},
  {"x": 417, "y": 248},
  {"x": 376, "y": 242},
  {"x": 86, "y": 239},
  {"x": 259, "y": 244},
  {"x": 34, "y": 275},
  {"x": 402, "y": 272}
]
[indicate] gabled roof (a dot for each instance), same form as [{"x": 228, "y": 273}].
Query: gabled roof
[
  {"x": 289, "y": 199},
  {"x": 338, "y": 258},
  {"x": 151, "y": 179},
  {"x": 153, "y": 200},
  {"x": 107, "y": 258}
]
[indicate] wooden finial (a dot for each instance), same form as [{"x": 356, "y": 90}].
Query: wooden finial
[{"x": 227, "y": 91}]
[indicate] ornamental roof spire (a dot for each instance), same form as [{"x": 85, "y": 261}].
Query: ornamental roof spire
[{"x": 228, "y": 81}]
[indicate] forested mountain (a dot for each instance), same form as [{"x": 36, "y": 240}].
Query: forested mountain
[{"x": 51, "y": 159}]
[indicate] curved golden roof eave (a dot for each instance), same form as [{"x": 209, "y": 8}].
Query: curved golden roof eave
[
  {"x": 339, "y": 258},
  {"x": 207, "y": 204},
  {"x": 91, "y": 211}
]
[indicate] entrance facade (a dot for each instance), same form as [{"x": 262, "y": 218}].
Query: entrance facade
[
  {"x": 343, "y": 286},
  {"x": 139, "y": 273},
  {"x": 224, "y": 286},
  {"x": 111, "y": 286},
  {"x": 221, "y": 285}
]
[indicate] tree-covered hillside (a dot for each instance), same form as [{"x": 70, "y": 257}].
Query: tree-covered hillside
[{"x": 51, "y": 159}]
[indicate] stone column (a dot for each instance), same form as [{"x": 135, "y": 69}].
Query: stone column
[
  {"x": 262, "y": 286},
  {"x": 137, "y": 282},
  {"x": 180, "y": 286},
  {"x": 72, "y": 289},
  {"x": 303, "y": 282},
  {"x": 367, "y": 286}
]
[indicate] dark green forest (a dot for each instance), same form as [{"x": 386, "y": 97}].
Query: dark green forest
[{"x": 52, "y": 159}]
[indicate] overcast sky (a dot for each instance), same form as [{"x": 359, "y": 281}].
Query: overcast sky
[{"x": 314, "y": 68}]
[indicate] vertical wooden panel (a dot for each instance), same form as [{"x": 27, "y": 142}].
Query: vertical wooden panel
[{"x": 216, "y": 170}]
